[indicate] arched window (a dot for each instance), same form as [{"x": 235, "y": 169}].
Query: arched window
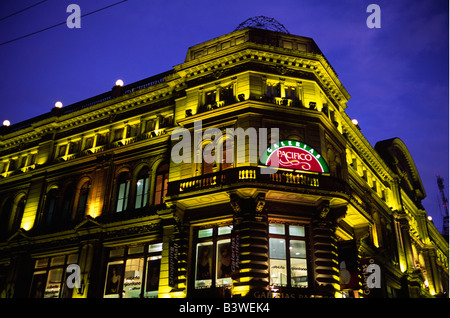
[
  {"x": 227, "y": 155},
  {"x": 67, "y": 204},
  {"x": 162, "y": 180},
  {"x": 123, "y": 191},
  {"x": 83, "y": 199},
  {"x": 223, "y": 162},
  {"x": 50, "y": 208},
  {"x": 4, "y": 217},
  {"x": 142, "y": 188},
  {"x": 18, "y": 215}
]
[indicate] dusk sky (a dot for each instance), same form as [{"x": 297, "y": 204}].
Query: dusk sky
[{"x": 397, "y": 75}]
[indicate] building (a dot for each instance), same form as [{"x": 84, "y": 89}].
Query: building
[{"x": 93, "y": 184}]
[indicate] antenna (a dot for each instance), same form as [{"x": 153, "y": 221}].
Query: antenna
[{"x": 440, "y": 182}]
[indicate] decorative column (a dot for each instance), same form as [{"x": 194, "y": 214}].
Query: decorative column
[{"x": 325, "y": 254}]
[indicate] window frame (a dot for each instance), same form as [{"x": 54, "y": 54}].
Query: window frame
[
  {"x": 215, "y": 240},
  {"x": 288, "y": 238},
  {"x": 44, "y": 270},
  {"x": 147, "y": 256}
]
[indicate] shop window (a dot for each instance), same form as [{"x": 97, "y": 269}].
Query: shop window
[
  {"x": 123, "y": 191},
  {"x": 142, "y": 188},
  {"x": 288, "y": 257},
  {"x": 125, "y": 274},
  {"x": 50, "y": 276},
  {"x": 213, "y": 257},
  {"x": 162, "y": 180}
]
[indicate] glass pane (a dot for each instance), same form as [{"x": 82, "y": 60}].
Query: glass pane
[
  {"x": 58, "y": 260},
  {"x": 152, "y": 281},
  {"x": 223, "y": 273},
  {"x": 72, "y": 259},
  {"x": 297, "y": 249},
  {"x": 205, "y": 233},
  {"x": 38, "y": 285},
  {"x": 155, "y": 247},
  {"x": 278, "y": 272},
  {"x": 277, "y": 248},
  {"x": 53, "y": 283},
  {"x": 299, "y": 273},
  {"x": 276, "y": 228},
  {"x": 116, "y": 252},
  {"x": 297, "y": 230},
  {"x": 145, "y": 194},
  {"x": 41, "y": 263},
  {"x": 136, "y": 249},
  {"x": 114, "y": 278},
  {"x": 203, "y": 276},
  {"x": 133, "y": 277},
  {"x": 141, "y": 193},
  {"x": 225, "y": 229},
  {"x": 122, "y": 190}
]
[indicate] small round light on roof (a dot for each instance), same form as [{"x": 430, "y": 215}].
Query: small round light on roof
[
  {"x": 58, "y": 104},
  {"x": 119, "y": 82},
  {"x": 6, "y": 123},
  {"x": 355, "y": 122},
  {"x": 430, "y": 218}
]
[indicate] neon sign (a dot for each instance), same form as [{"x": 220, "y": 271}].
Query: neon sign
[{"x": 295, "y": 155}]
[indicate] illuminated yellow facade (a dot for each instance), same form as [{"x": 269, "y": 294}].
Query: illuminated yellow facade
[{"x": 93, "y": 184}]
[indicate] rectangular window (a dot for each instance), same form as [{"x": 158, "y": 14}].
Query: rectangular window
[
  {"x": 213, "y": 257},
  {"x": 133, "y": 272},
  {"x": 288, "y": 257},
  {"x": 210, "y": 98},
  {"x": 273, "y": 90}
]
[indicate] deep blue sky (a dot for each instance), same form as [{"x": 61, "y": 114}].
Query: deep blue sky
[{"x": 397, "y": 75}]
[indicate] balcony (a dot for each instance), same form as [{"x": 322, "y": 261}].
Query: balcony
[{"x": 290, "y": 181}]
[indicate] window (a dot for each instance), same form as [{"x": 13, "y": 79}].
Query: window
[
  {"x": 67, "y": 204},
  {"x": 19, "y": 214},
  {"x": 83, "y": 199},
  {"x": 50, "y": 207},
  {"x": 213, "y": 257},
  {"x": 273, "y": 90},
  {"x": 210, "y": 98},
  {"x": 227, "y": 155},
  {"x": 118, "y": 134},
  {"x": 162, "y": 180},
  {"x": 62, "y": 150},
  {"x": 288, "y": 260},
  {"x": 49, "y": 277},
  {"x": 125, "y": 274},
  {"x": 289, "y": 92},
  {"x": 89, "y": 143},
  {"x": 142, "y": 189},
  {"x": 5, "y": 214},
  {"x": 227, "y": 95},
  {"x": 123, "y": 191}
]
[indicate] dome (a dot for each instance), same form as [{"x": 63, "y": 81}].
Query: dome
[{"x": 262, "y": 22}]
